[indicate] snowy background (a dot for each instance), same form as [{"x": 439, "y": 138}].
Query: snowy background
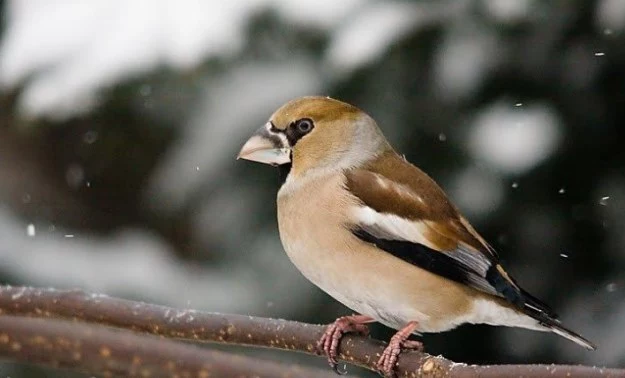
[{"x": 120, "y": 121}]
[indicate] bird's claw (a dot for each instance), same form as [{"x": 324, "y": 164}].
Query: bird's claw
[
  {"x": 328, "y": 344},
  {"x": 388, "y": 360},
  {"x": 399, "y": 341}
]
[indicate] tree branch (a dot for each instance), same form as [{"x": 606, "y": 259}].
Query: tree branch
[
  {"x": 253, "y": 331},
  {"x": 108, "y": 352}
]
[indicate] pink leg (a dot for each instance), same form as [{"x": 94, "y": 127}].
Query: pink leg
[
  {"x": 329, "y": 342},
  {"x": 399, "y": 341}
]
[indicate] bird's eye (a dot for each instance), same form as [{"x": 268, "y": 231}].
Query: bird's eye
[{"x": 304, "y": 125}]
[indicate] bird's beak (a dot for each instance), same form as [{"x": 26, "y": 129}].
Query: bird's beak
[{"x": 267, "y": 147}]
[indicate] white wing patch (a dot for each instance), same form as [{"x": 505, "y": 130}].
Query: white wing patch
[{"x": 390, "y": 226}]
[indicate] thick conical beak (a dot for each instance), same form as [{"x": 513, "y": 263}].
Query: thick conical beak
[{"x": 267, "y": 147}]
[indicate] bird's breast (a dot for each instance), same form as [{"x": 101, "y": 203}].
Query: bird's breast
[{"x": 310, "y": 220}]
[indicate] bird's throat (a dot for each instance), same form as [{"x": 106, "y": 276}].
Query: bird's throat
[{"x": 283, "y": 171}]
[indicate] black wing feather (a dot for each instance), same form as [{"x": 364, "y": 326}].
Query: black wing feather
[
  {"x": 420, "y": 255},
  {"x": 446, "y": 266}
]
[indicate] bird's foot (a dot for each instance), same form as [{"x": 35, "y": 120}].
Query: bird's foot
[
  {"x": 399, "y": 341},
  {"x": 329, "y": 342}
]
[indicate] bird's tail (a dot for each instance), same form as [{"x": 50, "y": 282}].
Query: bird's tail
[
  {"x": 547, "y": 318},
  {"x": 558, "y": 329}
]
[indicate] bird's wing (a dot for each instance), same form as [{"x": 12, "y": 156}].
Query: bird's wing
[{"x": 405, "y": 213}]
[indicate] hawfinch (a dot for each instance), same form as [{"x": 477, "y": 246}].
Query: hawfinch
[{"x": 380, "y": 236}]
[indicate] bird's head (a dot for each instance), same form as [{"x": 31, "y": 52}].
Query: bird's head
[{"x": 311, "y": 133}]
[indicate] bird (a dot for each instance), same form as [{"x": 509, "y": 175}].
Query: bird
[{"x": 380, "y": 236}]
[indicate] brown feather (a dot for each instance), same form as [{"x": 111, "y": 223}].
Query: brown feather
[
  {"x": 319, "y": 109},
  {"x": 391, "y": 185}
]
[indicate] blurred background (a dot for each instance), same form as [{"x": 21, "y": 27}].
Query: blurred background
[{"x": 120, "y": 121}]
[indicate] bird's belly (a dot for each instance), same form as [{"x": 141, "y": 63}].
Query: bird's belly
[
  {"x": 387, "y": 289},
  {"x": 393, "y": 316}
]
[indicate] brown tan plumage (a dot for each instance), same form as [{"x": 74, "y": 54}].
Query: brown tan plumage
[{"x": 379, "y": 235}]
